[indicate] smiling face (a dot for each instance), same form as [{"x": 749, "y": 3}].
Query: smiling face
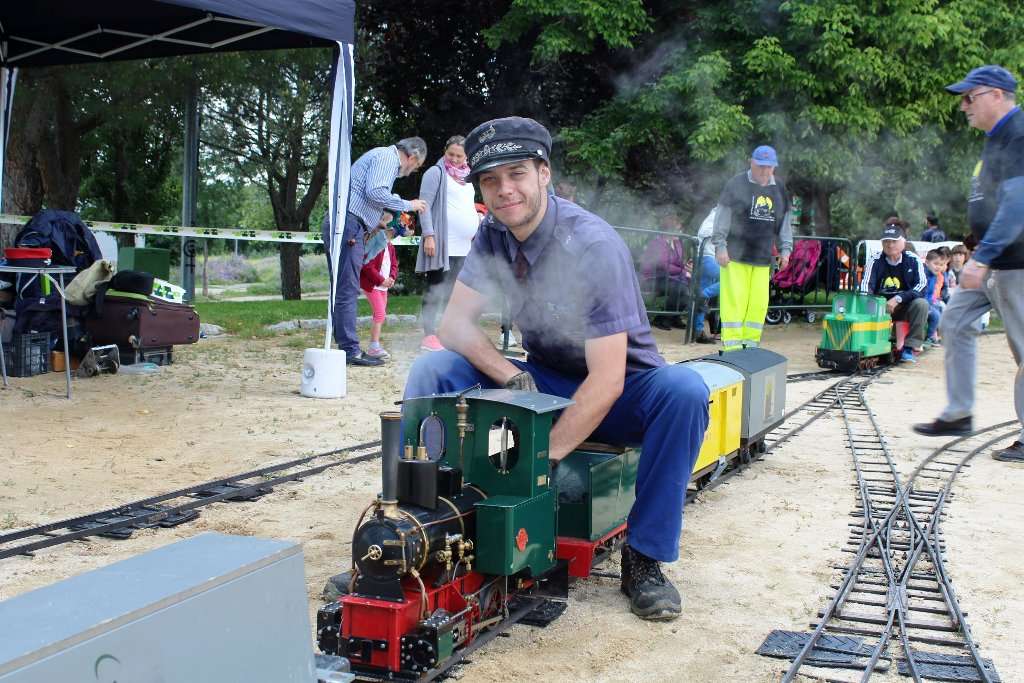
[
  {"x": 893, "y": 249},
  {"x": 516, "y": 194},
  {"x": 455, "y": 154}
]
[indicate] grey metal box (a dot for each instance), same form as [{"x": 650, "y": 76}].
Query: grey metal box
[
  {"x": 764, "y": 389},
  {"x": 210, "y": 608}
]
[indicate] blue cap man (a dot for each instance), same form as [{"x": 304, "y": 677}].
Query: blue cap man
[
  {"x": 991, "y": 75},
  {"x": 994, "y": 276},
  {"x": 765, "y": 156},
  {"x": 570, "y": 286}
]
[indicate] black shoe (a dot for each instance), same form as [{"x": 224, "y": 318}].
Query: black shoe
[
  {"x": 662, "y": 323},
  {"x": 939, "y": 427},
  {"x": 651, "y": 595},
  {"x": 362, "y": 359},
  {"x": 1012, "y": 453},
  {"x": 703, "y": 338}
]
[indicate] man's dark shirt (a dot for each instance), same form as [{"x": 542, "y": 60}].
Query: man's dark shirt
[
  {"x": 756, "y": 216},
  {"x": 906, "y": 279},
  {"x": 1002, "y": 159},
  {"x": 580, "y": 285}
]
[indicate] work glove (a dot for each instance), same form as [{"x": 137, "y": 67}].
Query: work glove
[{"x": 521, "y": 382}]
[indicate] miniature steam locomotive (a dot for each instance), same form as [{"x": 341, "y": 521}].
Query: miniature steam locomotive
[{"x": 474, "y": 529}]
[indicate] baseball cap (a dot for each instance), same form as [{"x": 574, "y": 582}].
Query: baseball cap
[
  {"x": 892, "y": 232},
  {"x": 765, "y": 156},
  {"x": 991, "y": 75}
]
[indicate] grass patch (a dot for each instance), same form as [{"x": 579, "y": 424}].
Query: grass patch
[{"x": 250, "y": 318}]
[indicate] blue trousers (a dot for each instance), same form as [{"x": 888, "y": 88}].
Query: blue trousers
[
  {"x": 710, "y": 284},
  {"x": 350, "y": 262},
  {"x": 934, "y": 313},
  {"x": 663, "y": 410}
]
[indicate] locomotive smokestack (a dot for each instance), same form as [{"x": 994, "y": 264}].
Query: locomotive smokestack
[{"x": 390, "y": 452}]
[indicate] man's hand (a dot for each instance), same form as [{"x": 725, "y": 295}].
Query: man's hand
[
  {"x": 522, "y": 381},
  {"x": 722, "y": 257},
  {"x": 429, "y": 246},
  {"x": 891, "y": 305},
  {"x": 973, "y": 275},
  {"x": 783, "y": 262},
  {"x": 418, "y": 205},
  {"x": 388, "y": 282}
]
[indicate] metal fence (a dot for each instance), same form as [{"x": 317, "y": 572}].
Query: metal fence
[
  {"x": 835, "y": 272},
  {"x": 664, "y": 263}
]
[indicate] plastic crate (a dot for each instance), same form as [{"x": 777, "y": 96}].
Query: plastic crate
[{"x": 28, "y": 354}]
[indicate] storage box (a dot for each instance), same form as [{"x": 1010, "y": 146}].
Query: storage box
[
  {"x": 208, "y": 609},
  {"x": 515, "y": 534},
  {"x": 596, "y": 490},
  {"x": 156, "y": 262},
  {"x": 28, "y": 355},
  {"x": 161, "y": 355}
]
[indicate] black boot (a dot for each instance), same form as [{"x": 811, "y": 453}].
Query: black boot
[{"x": 651, "y": 595}]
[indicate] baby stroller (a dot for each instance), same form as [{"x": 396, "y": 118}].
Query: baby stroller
[{"x": 794, "y": 284}]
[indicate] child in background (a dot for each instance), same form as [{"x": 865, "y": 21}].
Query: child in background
[
  {"x": 948, "y": 278},
  {"x": 380, "y": 268},
  {"x": 957, "y": 258},
  {"x": 933, "y": 293}
]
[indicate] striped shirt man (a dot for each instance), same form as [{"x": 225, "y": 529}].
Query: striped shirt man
[{"x": 370, "y": 184}]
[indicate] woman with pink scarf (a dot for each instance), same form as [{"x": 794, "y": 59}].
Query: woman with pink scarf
[{"x": 449, "y": 224}]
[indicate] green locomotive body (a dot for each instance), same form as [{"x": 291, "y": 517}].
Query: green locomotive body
[{"x": 856, "y": 333}]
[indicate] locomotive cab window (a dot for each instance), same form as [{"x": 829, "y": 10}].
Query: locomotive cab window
[
  {"x": 432, "y": 436},
  {"x": 503, "y": 445}
]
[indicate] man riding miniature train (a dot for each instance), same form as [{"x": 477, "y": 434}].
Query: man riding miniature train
[
  {"x": 572, "y": 291},
  {"x": 899, "y": 276}
]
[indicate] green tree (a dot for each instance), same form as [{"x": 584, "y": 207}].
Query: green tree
[{"x": 266, "y": 118}]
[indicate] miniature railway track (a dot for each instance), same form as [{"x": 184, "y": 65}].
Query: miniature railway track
[
  {"x": 822, "y": 403},
  {"x": 811, "y": 376},
  {"x": 178, "y": 507},
  {"x": 895, "y": 588}
]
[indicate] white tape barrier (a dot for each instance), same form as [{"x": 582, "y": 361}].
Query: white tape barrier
[{"x": 299, "y": 237}]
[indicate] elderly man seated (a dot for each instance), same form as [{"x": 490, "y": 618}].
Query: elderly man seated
[{"x": 899, "y": 276}]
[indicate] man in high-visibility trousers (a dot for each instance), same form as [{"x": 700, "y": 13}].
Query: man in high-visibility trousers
[{"x": 753, "y": 214}]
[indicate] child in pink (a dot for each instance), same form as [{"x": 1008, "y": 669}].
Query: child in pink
[{"x": 380, "y": 268}]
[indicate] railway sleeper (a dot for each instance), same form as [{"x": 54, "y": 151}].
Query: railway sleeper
[
  {"x": 928, "y": 640},
  {"x": 882, "y": 621}
]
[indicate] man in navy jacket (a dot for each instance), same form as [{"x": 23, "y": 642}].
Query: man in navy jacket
[{"x": 898, "y": 275}]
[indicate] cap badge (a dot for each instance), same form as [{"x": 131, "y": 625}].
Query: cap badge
[
  {"x": 487, "y": 134},
  {"x": 498, "y": 148}
]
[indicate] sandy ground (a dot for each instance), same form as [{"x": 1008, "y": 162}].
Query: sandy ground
[{"x": 755, "y": 553}]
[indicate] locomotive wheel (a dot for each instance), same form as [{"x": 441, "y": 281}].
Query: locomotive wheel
[{"x": 868, "y": 363}]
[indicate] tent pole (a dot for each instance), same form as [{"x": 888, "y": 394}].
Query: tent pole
[
  {"x": 7, "y": 78},
  {"x": 190, "y": 187},
  {"x": 339, "y": 148}
]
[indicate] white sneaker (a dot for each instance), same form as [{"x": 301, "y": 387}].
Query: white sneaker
[
  {"x": 378, "y": 352},
  {"x": 511, "y": 340}
]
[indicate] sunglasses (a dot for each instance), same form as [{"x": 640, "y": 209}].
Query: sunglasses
[{"x": 970, "y": 97}]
